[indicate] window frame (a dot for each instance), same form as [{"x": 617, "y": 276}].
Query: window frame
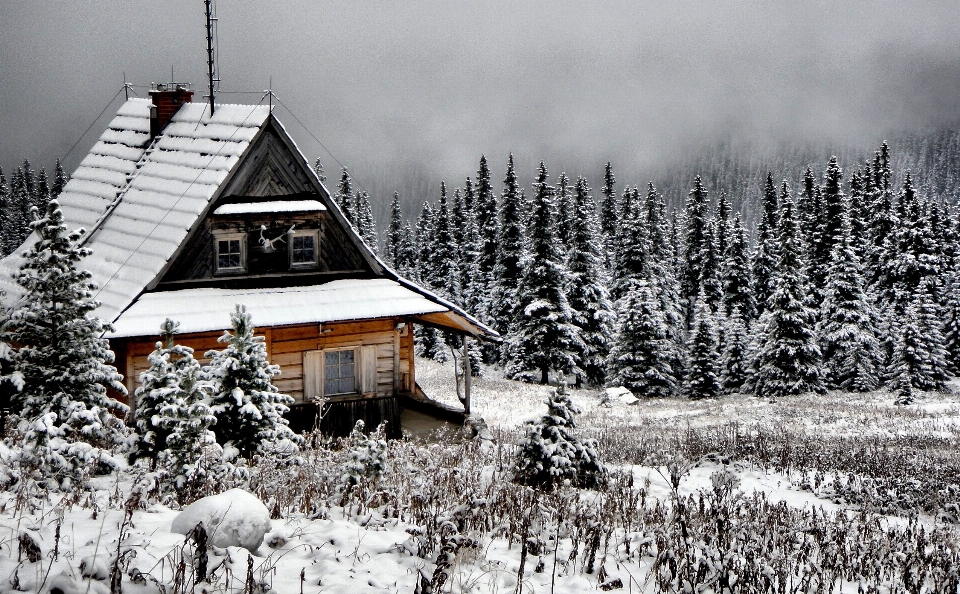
[
  {"x": 323, "y": 371},
  {"x": 315, "y": 234},
  {"x": 217, "y": 238},
  {"x": 364, "y": 372}
]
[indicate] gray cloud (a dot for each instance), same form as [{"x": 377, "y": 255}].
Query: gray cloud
[{"x": 429, "y": 86}]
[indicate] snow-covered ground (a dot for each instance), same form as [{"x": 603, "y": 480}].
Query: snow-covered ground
[{"x": 447, "y": 492}]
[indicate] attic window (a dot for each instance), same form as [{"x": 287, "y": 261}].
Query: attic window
[
  {"x": 231, "y": 256},
  {"x": 303, "y": 248}
]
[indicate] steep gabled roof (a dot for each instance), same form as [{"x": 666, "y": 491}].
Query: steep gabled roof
[{"x": 140, "y": 199}]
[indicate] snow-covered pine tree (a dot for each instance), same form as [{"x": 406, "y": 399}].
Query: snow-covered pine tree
[
  {"x": 550, "y": 453},
  {"x": 565, "y": 210},
  {"x": 20, "y": 202},
  {"x": 365, "y": 457},
  {"x": 789, "y": 360},
  {"x": 508, "y": 269},
  {"x": 543, "y": 337},
  {"x": 641, "y": 356},
  {"x": 41, "y": 193},
  {"x": 5, "y": 211},
  {"x": 662, "y": 273},
  {"x": 702, "y": 378},
  {"x": 394, "y": 233},
  {"x": 592, "y": 311},
  {"x": 919, "y": 337},
  {"x": 695, "y": 219},
  {"x": 723, "y": 227},
  {"x": 248, "y": 407},
  {"x": 711, "y": 261},
  {"x": 765, "y": 253},
  {"x": 318, "y": 170},
  {"x": 951, "y": 325},
  {"x": 632, "y": 244},
  {"x": 344, "y": 198},
  {"x": 487, "y": 221},
  {"x": 736, "y": 276},
  {"x": 848, "y": 341},
  {"x": 907, "y": 366},
  {"x": 443, "y": 271},
  {"x": 424, "y": 242},
  {"x": 159, "y": 385},
  {"x": 364, "y": 223},
  {"x": 860, "y": 188},
  {"x": 828, "y": 230},
  {"x": 609, "y": 214},
  {"x": 735, "y": 359},
  {"x": 912, "y": 255},
  {"x": 63, "y": 359},
  {"x": 882, "y": 221}
]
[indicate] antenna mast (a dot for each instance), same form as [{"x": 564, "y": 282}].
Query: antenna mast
[{"x": 210, "y": 55}]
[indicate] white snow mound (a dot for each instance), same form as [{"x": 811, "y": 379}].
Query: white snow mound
[{"x": 234, "y": 518}]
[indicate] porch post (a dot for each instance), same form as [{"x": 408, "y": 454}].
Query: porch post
[{"x": 467, "y": 373}]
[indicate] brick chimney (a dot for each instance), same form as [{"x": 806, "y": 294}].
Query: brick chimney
[{"x": 167, "y": 99}]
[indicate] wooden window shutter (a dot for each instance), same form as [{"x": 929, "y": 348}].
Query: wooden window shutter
[
  {"x": 312, "y": 375},
  {"x": 368, "y": 369}
]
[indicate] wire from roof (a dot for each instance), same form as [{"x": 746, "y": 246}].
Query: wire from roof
[{"x": 105, "y": 108}]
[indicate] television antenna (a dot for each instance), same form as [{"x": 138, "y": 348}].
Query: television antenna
[{"x": 211, "y": 57}]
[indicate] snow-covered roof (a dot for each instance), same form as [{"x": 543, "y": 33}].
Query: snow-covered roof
[
  {"x": 204, "y": 310},
  {"x": 138, "y": 199},
  {"x": 270, "y": 207}
]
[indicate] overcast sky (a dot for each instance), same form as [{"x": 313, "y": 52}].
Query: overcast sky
[{"x": 386, "y": 85}]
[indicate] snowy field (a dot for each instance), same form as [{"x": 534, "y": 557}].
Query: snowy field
[{"x": 833, "y": 493}]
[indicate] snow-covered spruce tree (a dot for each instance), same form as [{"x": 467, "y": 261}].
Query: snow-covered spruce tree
[
  {"x": 589, "y": 302},
  {"x": 159, "y": 385},
  {"x": 631, "y": 259},
  {"x": 19, "y": 222},
  {"x": 924, "y": 353},
  {"x": 318, "y": 170},
  {"x": 424, "y": 244},
  {"x": 710, "y": 272},
  {"x": 735, "y": 359},
  {"x": 565, "y": 210},
  {"x": 485, "y": 207},
  {"x": 832, "y": 209},
  {"x": 764, "y": 263},
  {"x": 736, "y": 276},
  {"x": 912, "y": 254},
  {"x": 6, "y": 229},
  {"x": 64, "y": 362},
  {"x": 702, "y": 379},
  {"x": 344, "y": 197},
  {"x": 366, "y": 227},
  {"x": 543, "y": 337},
  {"x": 907, "y": 367},
  {"x": 508, "y": 270},
  {"x": 609, "y": 214},
  {"x": 186, "y": 418},
  {"x": 642, "y": 353},
  {"x": 394, "y": 243},
  {"x": 848, "y": 341},
  {"x": 695, "y": 244},
  {"x": 248, "y": 407},
  {"x": 789, "y": 360},
  {"x": 951, "y": 325},
  {"x": 550, "y": 453}
]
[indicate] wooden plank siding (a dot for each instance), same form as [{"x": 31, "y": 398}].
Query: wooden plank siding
[{"x": 286, "y": 345}]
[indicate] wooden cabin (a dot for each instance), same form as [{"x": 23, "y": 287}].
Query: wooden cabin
[{"x": 189, "y": 213}]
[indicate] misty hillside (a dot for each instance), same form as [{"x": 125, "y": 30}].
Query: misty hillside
[{"x": 737, "y": 168}]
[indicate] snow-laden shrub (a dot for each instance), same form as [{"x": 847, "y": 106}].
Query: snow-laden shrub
[
  {"x": 365, "y": 456},
  {"x": 550, "y": 453}
]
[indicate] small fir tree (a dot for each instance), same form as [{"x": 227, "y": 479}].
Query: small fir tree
[
  {"x": 248, "y": 407},
  {"x": 318, "y": 170},
  {"x": 508, "y": 269},
  {"x": 394, "y": 233},
  {"x": 695, "y": 245},
  {"x": 159, "y": 385},
  {"x": 487, "y": 222},
  {"x": 344, "y": 198},
  {"x": 609, "y": 214},
  {"x": 365, "y": 457},
  {"x": 765, "y": 254},
  {"x": 736, "y": 275},
  {"x": 550, "y": 453}
]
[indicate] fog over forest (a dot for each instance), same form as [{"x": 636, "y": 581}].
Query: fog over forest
[{"x": 408, "y": 93}]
